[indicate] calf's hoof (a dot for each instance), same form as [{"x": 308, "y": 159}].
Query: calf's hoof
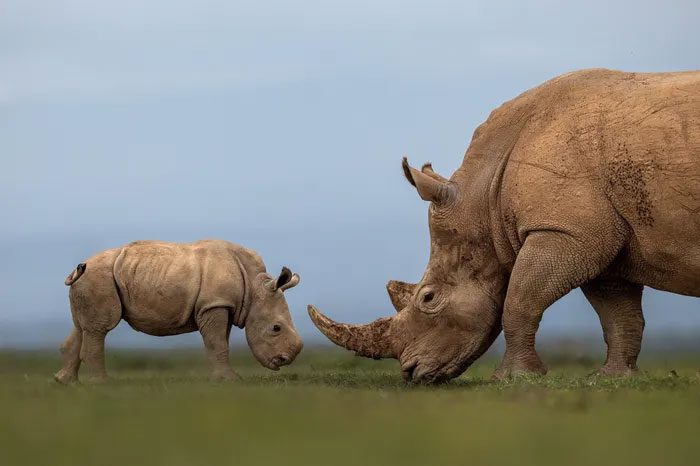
[
  {"x": 514, "y": 368},
  {"x": 65, "y": 377}
]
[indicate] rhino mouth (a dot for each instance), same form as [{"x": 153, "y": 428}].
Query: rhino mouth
[
  {"x": 430, "y": 371},
  {"x": 278, "y": 361},
  {"x": 270, "y": 364},
  {"x": 424, "y": 375}
]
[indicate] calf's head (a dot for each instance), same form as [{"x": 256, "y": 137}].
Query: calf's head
[
  {"x": 269, "y": 328},
  {"x": 452, "y": 316}
]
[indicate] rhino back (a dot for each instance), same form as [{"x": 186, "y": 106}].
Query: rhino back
[
  {"x": 603, "y": 140},
  {"x": 160, "y": 283}
]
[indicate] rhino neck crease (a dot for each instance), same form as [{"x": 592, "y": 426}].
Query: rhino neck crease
[
  {"x": 240, "y": 313},
  {"x": 506, "y": 249}
]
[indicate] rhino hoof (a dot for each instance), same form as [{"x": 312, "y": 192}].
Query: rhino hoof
[
  {"x": 617, "y": 371},
  {"x": 227, "y": 376},
  {"x": 65, "y": 377},
  {"x": 512, "y": 369}
]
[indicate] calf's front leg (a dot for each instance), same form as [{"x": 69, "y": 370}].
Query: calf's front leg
[{"x": 214, "y": 327}]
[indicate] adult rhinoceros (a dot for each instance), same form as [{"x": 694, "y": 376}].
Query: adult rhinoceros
[{"x": 591, "y": 179}]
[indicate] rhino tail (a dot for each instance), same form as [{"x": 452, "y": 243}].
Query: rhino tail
[{"x": 76, "y": 274}]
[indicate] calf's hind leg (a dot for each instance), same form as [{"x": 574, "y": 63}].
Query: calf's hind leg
[
  {"x": 619, "y": 307},
  {"x": 92, "y": 354},
  {"x": 96, "y": 310},
  {"x": 70, "y": 349}
]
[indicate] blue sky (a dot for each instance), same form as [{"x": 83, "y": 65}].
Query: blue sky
[{"x": 278, "y": 125}]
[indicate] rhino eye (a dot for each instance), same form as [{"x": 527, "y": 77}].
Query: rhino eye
[
  {"x": 428, "y": 297},
  {"x": 276, "y": 328}
]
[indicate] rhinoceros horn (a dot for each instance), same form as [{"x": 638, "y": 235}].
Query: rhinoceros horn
[
  {"x": 400, "y": 293},
  {"x": 371, "y": 340}
]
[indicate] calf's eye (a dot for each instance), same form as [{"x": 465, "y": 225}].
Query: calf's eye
[{"x": 276, "y": 328}]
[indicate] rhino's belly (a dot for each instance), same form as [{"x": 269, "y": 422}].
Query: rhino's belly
[
  {"x": 161, "y": 310},
  {"x": 659, "y": 198},
  {"x": 150, "y": 310},
  {"x": 667, "y": 264},
  {"x": 667, "y": 271},
  {"x": 157, "y": 328}
]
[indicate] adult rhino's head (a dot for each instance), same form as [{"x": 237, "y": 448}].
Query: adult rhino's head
[
  {"x": 452, "y": 316},
  {"x": 269, "y": 328}
]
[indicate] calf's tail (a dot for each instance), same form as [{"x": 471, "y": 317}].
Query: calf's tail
[{"x": 75, "y": 274}]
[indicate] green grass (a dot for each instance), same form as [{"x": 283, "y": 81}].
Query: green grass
[{"x": 330, "y": 408}]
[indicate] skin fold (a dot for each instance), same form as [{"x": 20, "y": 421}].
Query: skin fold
[
  {"x": 589, "y": 180},
  {"x": 167, "y": 289}
]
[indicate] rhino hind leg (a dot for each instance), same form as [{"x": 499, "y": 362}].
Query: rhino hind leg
[
  {"x": 214, "y": 327},
  {"x": 70, "y": 349},
  {"x": 548, "y": 266},
  {"x": 619, "y": 307},
  {"x": 96, "y": 309},
  {"x": 92, "y": 354}
]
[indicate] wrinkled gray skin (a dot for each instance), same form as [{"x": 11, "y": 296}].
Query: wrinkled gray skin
[
  {"x": 590, "y": 180},
  {"x": 167, "y": 289}
]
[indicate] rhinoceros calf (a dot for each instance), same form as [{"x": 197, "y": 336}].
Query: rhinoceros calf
[
  {"x": 591, "y": 179},
  {"x": 167, "y": 289}
]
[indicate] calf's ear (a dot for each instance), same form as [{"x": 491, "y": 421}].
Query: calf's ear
[
  {"x": 400, "y": 293},
  {"x": 430, "y": 186},
  {"x": 287, "y": 280}
]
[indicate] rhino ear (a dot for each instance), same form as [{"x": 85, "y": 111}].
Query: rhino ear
[
  {"x": 430, "y": 186},
  {"x": 287, "y": 280},
  {"x": 400, "y": 293},
  {"x": 427, "y": 168}
]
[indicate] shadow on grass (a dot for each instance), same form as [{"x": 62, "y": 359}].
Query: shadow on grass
[{"x": 363, "y": 380}]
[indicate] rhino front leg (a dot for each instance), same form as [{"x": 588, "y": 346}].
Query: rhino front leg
[
  {"x": 215, "y": 328},
  {"x": 619, "y": 307},
  {"x": 549, "y": 265}
]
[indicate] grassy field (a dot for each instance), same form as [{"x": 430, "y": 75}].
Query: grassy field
[{"x": 330, "y": 408}]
